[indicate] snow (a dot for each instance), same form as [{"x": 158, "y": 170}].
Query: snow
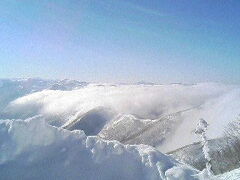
[
  {"x": 144, "y": 102},
  {"x": 49, "y": 145},
  {"x": 232, "y": 175},
  {"x": 91, "y": 122},
  {"x": 201, "y": 131},
  {"x": 33, "y": 149}
]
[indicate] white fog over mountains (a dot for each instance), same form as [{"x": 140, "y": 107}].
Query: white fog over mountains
[{"x": 41, "y": 120}]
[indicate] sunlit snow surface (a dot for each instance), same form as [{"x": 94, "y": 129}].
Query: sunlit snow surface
[
  {"x": 32, "y": 149},
  {"x": 232, "y": 175},
  {"x": 163, "y": 116}
]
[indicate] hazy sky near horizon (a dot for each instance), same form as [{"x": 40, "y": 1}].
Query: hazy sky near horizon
[{"x": 121, "y": 40}]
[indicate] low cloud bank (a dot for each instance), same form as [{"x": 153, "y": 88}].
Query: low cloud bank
[
  {"x": 217, "y": 103},
  {"x": 147, "y": 102},
  {"x": 11, "y": 89}
]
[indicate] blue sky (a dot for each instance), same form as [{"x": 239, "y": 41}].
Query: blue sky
[{"x": 121, "y": 40}]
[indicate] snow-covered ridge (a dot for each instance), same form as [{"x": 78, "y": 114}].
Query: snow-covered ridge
[
  {"x": 163, "y": 116},
  {"x": 32, "y": 149},
  {"x": 144, "y": 102}
]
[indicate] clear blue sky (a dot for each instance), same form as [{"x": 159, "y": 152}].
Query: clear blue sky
[{"x": 121, "y": 40}]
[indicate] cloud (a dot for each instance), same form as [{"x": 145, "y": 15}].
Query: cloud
[
  {"x": 147, "y": 102},
  {"x": 218, "y": 112},
  {"x": 217, "y": 103}
]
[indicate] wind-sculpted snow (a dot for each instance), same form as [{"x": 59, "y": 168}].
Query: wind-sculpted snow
[
  {"x": 32, "y": 149},
  {"x": 163, "y": 116}
]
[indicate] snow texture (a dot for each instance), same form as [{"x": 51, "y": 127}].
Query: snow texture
[
  {"x": 49, "y": 144},
  {"x": 32, "y": 149}
]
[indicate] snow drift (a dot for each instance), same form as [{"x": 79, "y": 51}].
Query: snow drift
[
  {"x": 32, "y": 149},
  {"x": 155, "y": 115}
]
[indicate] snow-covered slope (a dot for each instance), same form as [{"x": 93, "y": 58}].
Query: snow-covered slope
[
  {"x": 32, "y": 149},
  {"x": 163, "y": 116},
  {"x": 224, "y": 154},
  {"x": 143, "y": 102},
  {"x": 232, "y": 175},
  {"x": 130, "y": 130},
  {"x": 91, "y": 122}
]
